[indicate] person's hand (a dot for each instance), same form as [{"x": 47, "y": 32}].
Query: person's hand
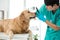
[{"x": 41, "y": 16}]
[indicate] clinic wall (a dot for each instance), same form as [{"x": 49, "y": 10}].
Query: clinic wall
[
  {"x": 36, "y": 3},
  {"x": 4, "y": 5},
  {"x": 16, "y": 7}
]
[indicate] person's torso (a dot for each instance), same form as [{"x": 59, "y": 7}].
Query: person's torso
[{"x": 53, "y": 18}]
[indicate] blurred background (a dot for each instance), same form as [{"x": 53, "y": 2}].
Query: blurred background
[{"x": 10, "y": 9}]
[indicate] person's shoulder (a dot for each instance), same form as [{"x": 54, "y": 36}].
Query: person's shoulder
[
  {"x": 43, "y": 8},
  {"x": 59, "y": 9}
]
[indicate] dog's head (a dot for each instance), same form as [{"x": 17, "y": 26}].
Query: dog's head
[{"x": 28, "y": 14}]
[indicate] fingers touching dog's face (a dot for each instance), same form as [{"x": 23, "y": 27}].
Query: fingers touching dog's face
[{"x": 28, "y": 14}]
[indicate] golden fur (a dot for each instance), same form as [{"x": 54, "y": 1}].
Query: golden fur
[{"x": 17, "y": 25}]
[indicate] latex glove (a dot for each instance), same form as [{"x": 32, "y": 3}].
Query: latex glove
[{"x": 41, "y": 16}]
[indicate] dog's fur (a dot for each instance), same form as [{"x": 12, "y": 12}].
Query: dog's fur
[{"x": 17, "y": 25}]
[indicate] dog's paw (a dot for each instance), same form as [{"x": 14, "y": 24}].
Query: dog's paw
[{"x": 10, "y": 34}]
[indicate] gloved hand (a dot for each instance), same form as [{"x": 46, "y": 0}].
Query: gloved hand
[{"x": 40, "y": 16}]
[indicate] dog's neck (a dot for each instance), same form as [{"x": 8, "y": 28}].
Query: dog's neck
[{"x": 23, "y": 22}]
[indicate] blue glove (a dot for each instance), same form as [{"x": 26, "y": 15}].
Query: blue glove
[{"x": 40, "y": 16}]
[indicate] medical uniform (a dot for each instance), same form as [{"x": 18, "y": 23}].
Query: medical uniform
[{"x": 51, "y": 34}]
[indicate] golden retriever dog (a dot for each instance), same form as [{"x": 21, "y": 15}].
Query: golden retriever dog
[{"x": 17, "y": 25}]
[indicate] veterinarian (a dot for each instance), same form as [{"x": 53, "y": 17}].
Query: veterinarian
[{"x": 50, "y": 14}]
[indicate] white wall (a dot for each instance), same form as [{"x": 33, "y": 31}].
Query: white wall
[
  {"x": 16, "y": 6},
  {"x": 4, "y": 5},
  {"x": 36, "y": 3}
]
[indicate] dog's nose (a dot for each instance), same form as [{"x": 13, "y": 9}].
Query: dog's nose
[{"x": 32, "y": 13}]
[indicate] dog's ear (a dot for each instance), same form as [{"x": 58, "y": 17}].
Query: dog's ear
[{"x": 22, "y": 16}]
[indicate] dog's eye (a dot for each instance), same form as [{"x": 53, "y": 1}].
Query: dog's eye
[{"x": 28, "y": 11}]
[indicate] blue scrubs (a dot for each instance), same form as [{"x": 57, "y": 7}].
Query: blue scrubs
[{"x": 51, "y": 34}]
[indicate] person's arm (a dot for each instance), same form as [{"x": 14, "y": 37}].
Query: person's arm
[
  {"x": 41, "y": 17},
  {"x": 52, "y": 25}
]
